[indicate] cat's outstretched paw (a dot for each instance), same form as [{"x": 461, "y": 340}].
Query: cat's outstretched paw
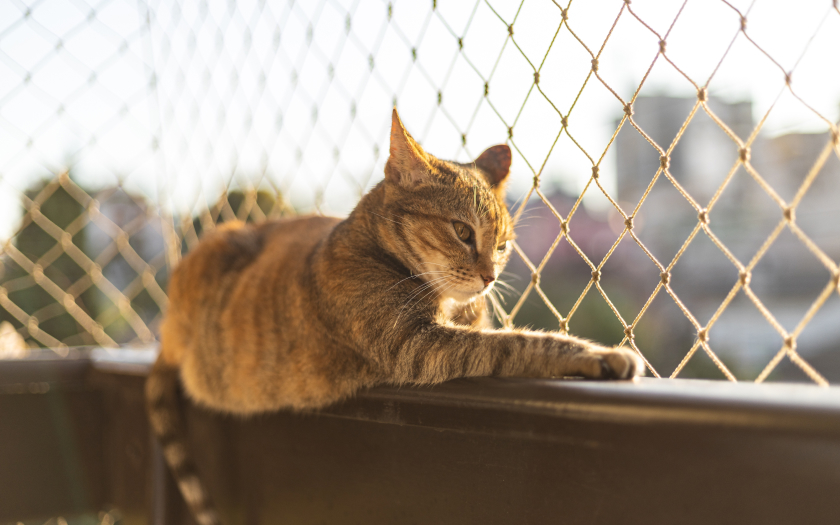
[{"x": 618, "y": 363}]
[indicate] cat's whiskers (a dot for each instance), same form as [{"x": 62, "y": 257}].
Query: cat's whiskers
[
  {"x": 387, "y": 219},
  {"x": 437, "y": 287},
  {"x": 448, "y": 268},
  {"x": 502, "y": 294},
  {"x": 497, "y": 308},
  {"x": 424, "y": 286},
  {"x": 508, "y": 288},
  {"x": 416, "y": 299},
  {"x": 494, "y": 293},
  {"x": 414, "y": 277},
  {"x": 448, "y": 287},
  {"x": 517, "y": 201},
  {"x": 502, "y": 299},
  {"x": 440, "y": 290},
  {"x": 472, "y": 308},
  {"x": 414, "y": 294},
  {"x": 428, "y": 288},
  {"x": 526, "y": 215}
]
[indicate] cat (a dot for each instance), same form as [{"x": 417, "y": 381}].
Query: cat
[{"x": 301, "y": 313}]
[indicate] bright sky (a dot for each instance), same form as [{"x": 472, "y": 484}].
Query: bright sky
[{"x": 200, "y": 96}]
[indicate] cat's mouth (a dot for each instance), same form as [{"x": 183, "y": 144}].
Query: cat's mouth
[
  {"x": 460, "y": 288},
  {"x": 466, "y": 295}
]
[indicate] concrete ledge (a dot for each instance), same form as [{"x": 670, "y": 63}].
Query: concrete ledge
[{"x": 470, "y": 451}]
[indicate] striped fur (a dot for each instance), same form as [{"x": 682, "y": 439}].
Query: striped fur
[
  {"x": 301, "y": 313},
  {"x": 165, "y": 419}
]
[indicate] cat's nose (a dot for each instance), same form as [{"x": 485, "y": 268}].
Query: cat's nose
[{"x": 488, "y": 279}]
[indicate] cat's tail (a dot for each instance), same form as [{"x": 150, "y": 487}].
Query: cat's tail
[{"x": 166, "y": 420}]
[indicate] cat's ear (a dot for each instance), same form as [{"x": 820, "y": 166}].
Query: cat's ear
[
  {"x": 408, "y": 165},
  {"x": 495, "y": 163}
]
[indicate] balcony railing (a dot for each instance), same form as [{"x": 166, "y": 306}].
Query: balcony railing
[{"x": 75, "y": 441}]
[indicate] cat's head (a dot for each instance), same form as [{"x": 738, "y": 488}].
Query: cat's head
[{"x": 449, "y": 223}]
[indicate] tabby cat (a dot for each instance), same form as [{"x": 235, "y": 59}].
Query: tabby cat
[{"x": 304, "y": 312}]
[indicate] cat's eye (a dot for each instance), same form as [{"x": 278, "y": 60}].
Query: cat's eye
[
  {"x": 502, "y": 247},
  {"x": 463, "y": 231}
]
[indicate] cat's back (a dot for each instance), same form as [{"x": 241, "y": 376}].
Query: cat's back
[
  {"x": 236, "y": 259},
  {"x": 233, "y": 247}
]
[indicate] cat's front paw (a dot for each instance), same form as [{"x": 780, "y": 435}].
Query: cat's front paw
[{"x": 617, "y": 363}]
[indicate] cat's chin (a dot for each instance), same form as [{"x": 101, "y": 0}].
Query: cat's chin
[{"x": 459, "y": 296}]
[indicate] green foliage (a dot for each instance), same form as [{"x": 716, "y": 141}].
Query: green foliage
[
  {"x": 49, "y": 210},
  {"x": 54, "y": 205},
  {"x": 250, "y": 206}
]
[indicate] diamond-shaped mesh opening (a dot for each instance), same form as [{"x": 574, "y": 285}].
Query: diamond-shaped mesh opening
[
  {"x": 789, "y": 278},
  {"x": 699, "y": 364},
  {"x": 666, "y": 220},
  {"x": 629, "y": 274},
  {"x": 666, "y": 331},
  {"x": 815, "y": 345},
  {"x": 704, "y": 157},
  {"x": 593, "y": 318},
  {"x": 676, "y": 167},
  {"x": 744, "y": 215},
  {"x": 702, "y": 278}
]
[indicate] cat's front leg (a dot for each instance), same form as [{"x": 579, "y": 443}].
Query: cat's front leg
[
  {"x": 473, "y": 314},
  {"x": 614, "y": 363},
  {"x": 441, "y": 352}
]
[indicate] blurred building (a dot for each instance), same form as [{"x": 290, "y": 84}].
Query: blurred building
[
  {"x": 122, "y": 239},
  {"x": 128, "y": 223},
  {"x": 788, "y": 278}
]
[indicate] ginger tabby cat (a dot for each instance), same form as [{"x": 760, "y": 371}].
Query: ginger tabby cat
[{"x": 304, "y": 312}]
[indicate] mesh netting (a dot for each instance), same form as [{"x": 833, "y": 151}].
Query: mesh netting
[{"x": 671, "y": 181}]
